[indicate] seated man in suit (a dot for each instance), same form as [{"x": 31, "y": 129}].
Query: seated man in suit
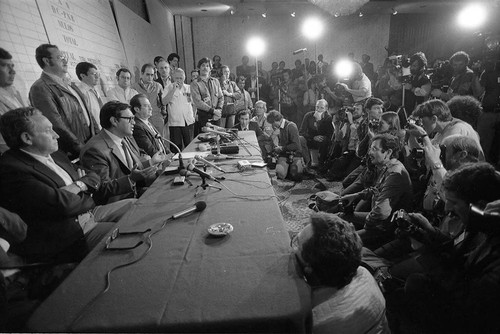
[
  {"x": 145, "y": 134},
  {"x": 48, "y": 193},
  {"x": 246, "y": 125},
  {"x": 114, "y": 155}
]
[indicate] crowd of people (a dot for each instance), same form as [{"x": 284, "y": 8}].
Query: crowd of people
[{"x": 415, "y": 153}]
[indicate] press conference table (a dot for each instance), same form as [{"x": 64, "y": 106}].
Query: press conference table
[{"x": 191, "y": 281}]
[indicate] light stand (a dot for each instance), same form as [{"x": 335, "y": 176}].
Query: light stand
[{"x": 257, "y": 77}]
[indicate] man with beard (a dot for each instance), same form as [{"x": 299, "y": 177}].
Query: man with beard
[
  {"x": 464, "y": 81},
  {"x": 419, "y": 87}
]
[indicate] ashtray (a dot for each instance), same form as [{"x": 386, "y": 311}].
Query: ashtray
[{"x": 220, "y": 229}]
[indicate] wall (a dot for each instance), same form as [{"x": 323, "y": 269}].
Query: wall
[{"x": 226, "y": 36}]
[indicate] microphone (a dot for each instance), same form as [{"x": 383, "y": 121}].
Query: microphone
[
  {"x": 181, "y": 163},
  {"x": 201, "y": 173},
  {"x": 208, "y": 163},
  {"x": 215, "y": 127},
  {"x": 296, "y": 52},
  {"x": 220, "y": 133},
  {"x": 197, "y": 207}
]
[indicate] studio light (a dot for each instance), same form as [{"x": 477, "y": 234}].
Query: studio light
[
  {"x": 264, "y": 15},
  {"x": 292, "y": 14},
  {"x": 343, "y": 68},
  {"x": 312, "y": 28},
  {"x": 472, "y": 16},
  {"x": 255, "y": 46}
]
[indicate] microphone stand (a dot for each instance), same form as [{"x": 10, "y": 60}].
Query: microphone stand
[
  {"x": 181, "y": 162},
  {"x": 204, "y": 185}
]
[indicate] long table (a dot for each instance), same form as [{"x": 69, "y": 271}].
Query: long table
[{"x": 190, "y": 281}]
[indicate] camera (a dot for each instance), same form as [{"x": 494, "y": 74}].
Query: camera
[
  {"x": 342, "y": 114},
  {"x": 402, "y": 64},
  {"x": 413, "y": 121},
  {"x": 289, "y": 158},
  {"x": 271, "y": 160},
  {"x": 488, "y": 223},
  {"x": 374, "y": 124},
  {"x": 406, "y": 226},
  {"x": 418, "y": 153}
]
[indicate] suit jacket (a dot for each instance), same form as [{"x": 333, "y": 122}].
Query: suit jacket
[
  {"x": 62, "y": 108},
  {"x": 102, "y": 156},
  {"x": 252, "y": 126},
  {"x": 32, "y": 190},
  {"x": 145, "y": 138}
]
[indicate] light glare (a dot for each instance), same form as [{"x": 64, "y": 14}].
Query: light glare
[
  {"x": 255, "y": 46},
  {"x": 312, "y": 28},
  {"x": 343, "y": 68},
  {"x": 472, "y": 16}
]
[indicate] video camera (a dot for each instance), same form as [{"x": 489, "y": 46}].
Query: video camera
[
  {"x": 402, "y": 65},
  {"x": 342, "y": 113},
  {"x": 413, "y": 121}
]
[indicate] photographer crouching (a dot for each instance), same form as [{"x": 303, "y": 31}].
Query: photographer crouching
[{"x": 464, "y": 296}]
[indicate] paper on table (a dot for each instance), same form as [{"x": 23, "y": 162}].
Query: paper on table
[{"x": 190, "y": 155}]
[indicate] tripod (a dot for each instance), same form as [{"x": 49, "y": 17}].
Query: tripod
[
  {"x": 403, "y": 115},
  {"x": 204, "y": 185}
]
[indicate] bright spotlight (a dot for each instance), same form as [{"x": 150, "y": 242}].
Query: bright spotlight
[
  {"x": 264, "y": 15},
  {"x": 344, "y": 68},
  {"x": 312, "y": 28},
  {"x": 292, "y": 14},
  {"x": 472, "y": 16},
  {"x": 255, "y": 46}
]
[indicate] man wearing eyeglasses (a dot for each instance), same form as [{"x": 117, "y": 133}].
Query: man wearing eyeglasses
[
  {"x": 345, "y": 297},
  {"x": 114, "y": 155},
  {"x": 60, "y": 103},
  {"x": 49, "y": 193}
]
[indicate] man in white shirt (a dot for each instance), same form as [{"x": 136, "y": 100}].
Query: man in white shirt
[
  {"x": 123, "y": 92},
  {"x": 177, "y": 97},
  {"x": 9, "y": 95},
  {"x": 361, "y": 87},
  {"x": 89, "y": 80}
]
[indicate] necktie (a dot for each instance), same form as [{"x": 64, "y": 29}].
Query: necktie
[
  {"x": 157, "y": 137},
  {"x": 99, "y": 100},
  {"x": 128, "y": 155}
]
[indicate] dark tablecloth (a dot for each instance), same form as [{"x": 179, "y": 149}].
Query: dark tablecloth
[{"x": 191, "y": 281}]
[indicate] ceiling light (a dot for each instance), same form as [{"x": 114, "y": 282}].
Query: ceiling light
[
  {"x": 232, "y": 12},
  {"x": 312, "y": 28},
  {"x": 336, "y": 15},
  {"x": 472, "y": 16},
  {"x": 264, "y": 15},
  {"x": 293, "y": 14},
  {"x": 394, "y": 12},
  {"x": 360, "y": 14}
]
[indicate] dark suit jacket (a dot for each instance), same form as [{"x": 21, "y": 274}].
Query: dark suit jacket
[
  {"x": 32, "y": 190},
  {"x": 63, "y": 110},
  {"x": 145, "y": 138},
  {"x": 102, "y": 156}
]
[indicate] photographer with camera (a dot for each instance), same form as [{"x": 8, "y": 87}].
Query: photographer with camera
[
  {"x": 361, "y": 87},
  {"x": 418, "y": 86},
  {"x": 464, "y": 296},
  {"x": 391, "y": 191}
]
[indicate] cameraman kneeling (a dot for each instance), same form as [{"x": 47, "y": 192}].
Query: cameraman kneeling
[{"x": 465, "y": 296}]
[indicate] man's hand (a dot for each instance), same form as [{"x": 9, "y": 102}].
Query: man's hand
[
  {"x": 217, "y": 114},
  {"x": 158, "y": 157},
  {"x": 343, "y": 85},
  {"x": 81, "y": 173},
  {"x": 278, "y": 149},
  {"x": 432, "y": 153},
  {"x": 350, "y": 119},
  {"x": 319, "y": 139},
  {"x": 72, "y": 188},
  {"x": 493, "y": 207},
  {"x": 415, "y": 130},
  {"x": 225, "y": 92},
  {"x": 422, "y": 222},
  {"x": 142, "y": 174}
]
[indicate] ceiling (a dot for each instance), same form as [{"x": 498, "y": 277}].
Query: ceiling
[{"x": 197, "y": 8}]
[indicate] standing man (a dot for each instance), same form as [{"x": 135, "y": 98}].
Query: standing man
[
  {"x": 89, "y": 79},
  {"x": 123, "y": 92},
  {"x": 207, "y": 94},
  {"x": 173, "y": 60},
  {"x": 153, "y": 90},
  {"x": 177, "y": 97},
  {"x": 60, "y": 103},
  {"x": 244, "y": 69},
  {"x": 164, "y": 78},
  {"x": 145, "y": 134},
  {"x": 288, "y": 97},
  {"x": 9, "y": 95},
  {"x": 114, "y": 155},
  {"x": 361, "y": 87},
  {"x": 289, "y": 148},
  {"x": 419, "y": 87},
  {"x": 464, "y": 81}
]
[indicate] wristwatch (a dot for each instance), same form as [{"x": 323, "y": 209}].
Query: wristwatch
[{"x": 81, "y": 185}]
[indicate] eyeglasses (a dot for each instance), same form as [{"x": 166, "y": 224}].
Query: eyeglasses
[
  {"x": 130, "y": 119},
  {"x": 59, "y": 57},
  {"x": 116, "y": 234}
]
